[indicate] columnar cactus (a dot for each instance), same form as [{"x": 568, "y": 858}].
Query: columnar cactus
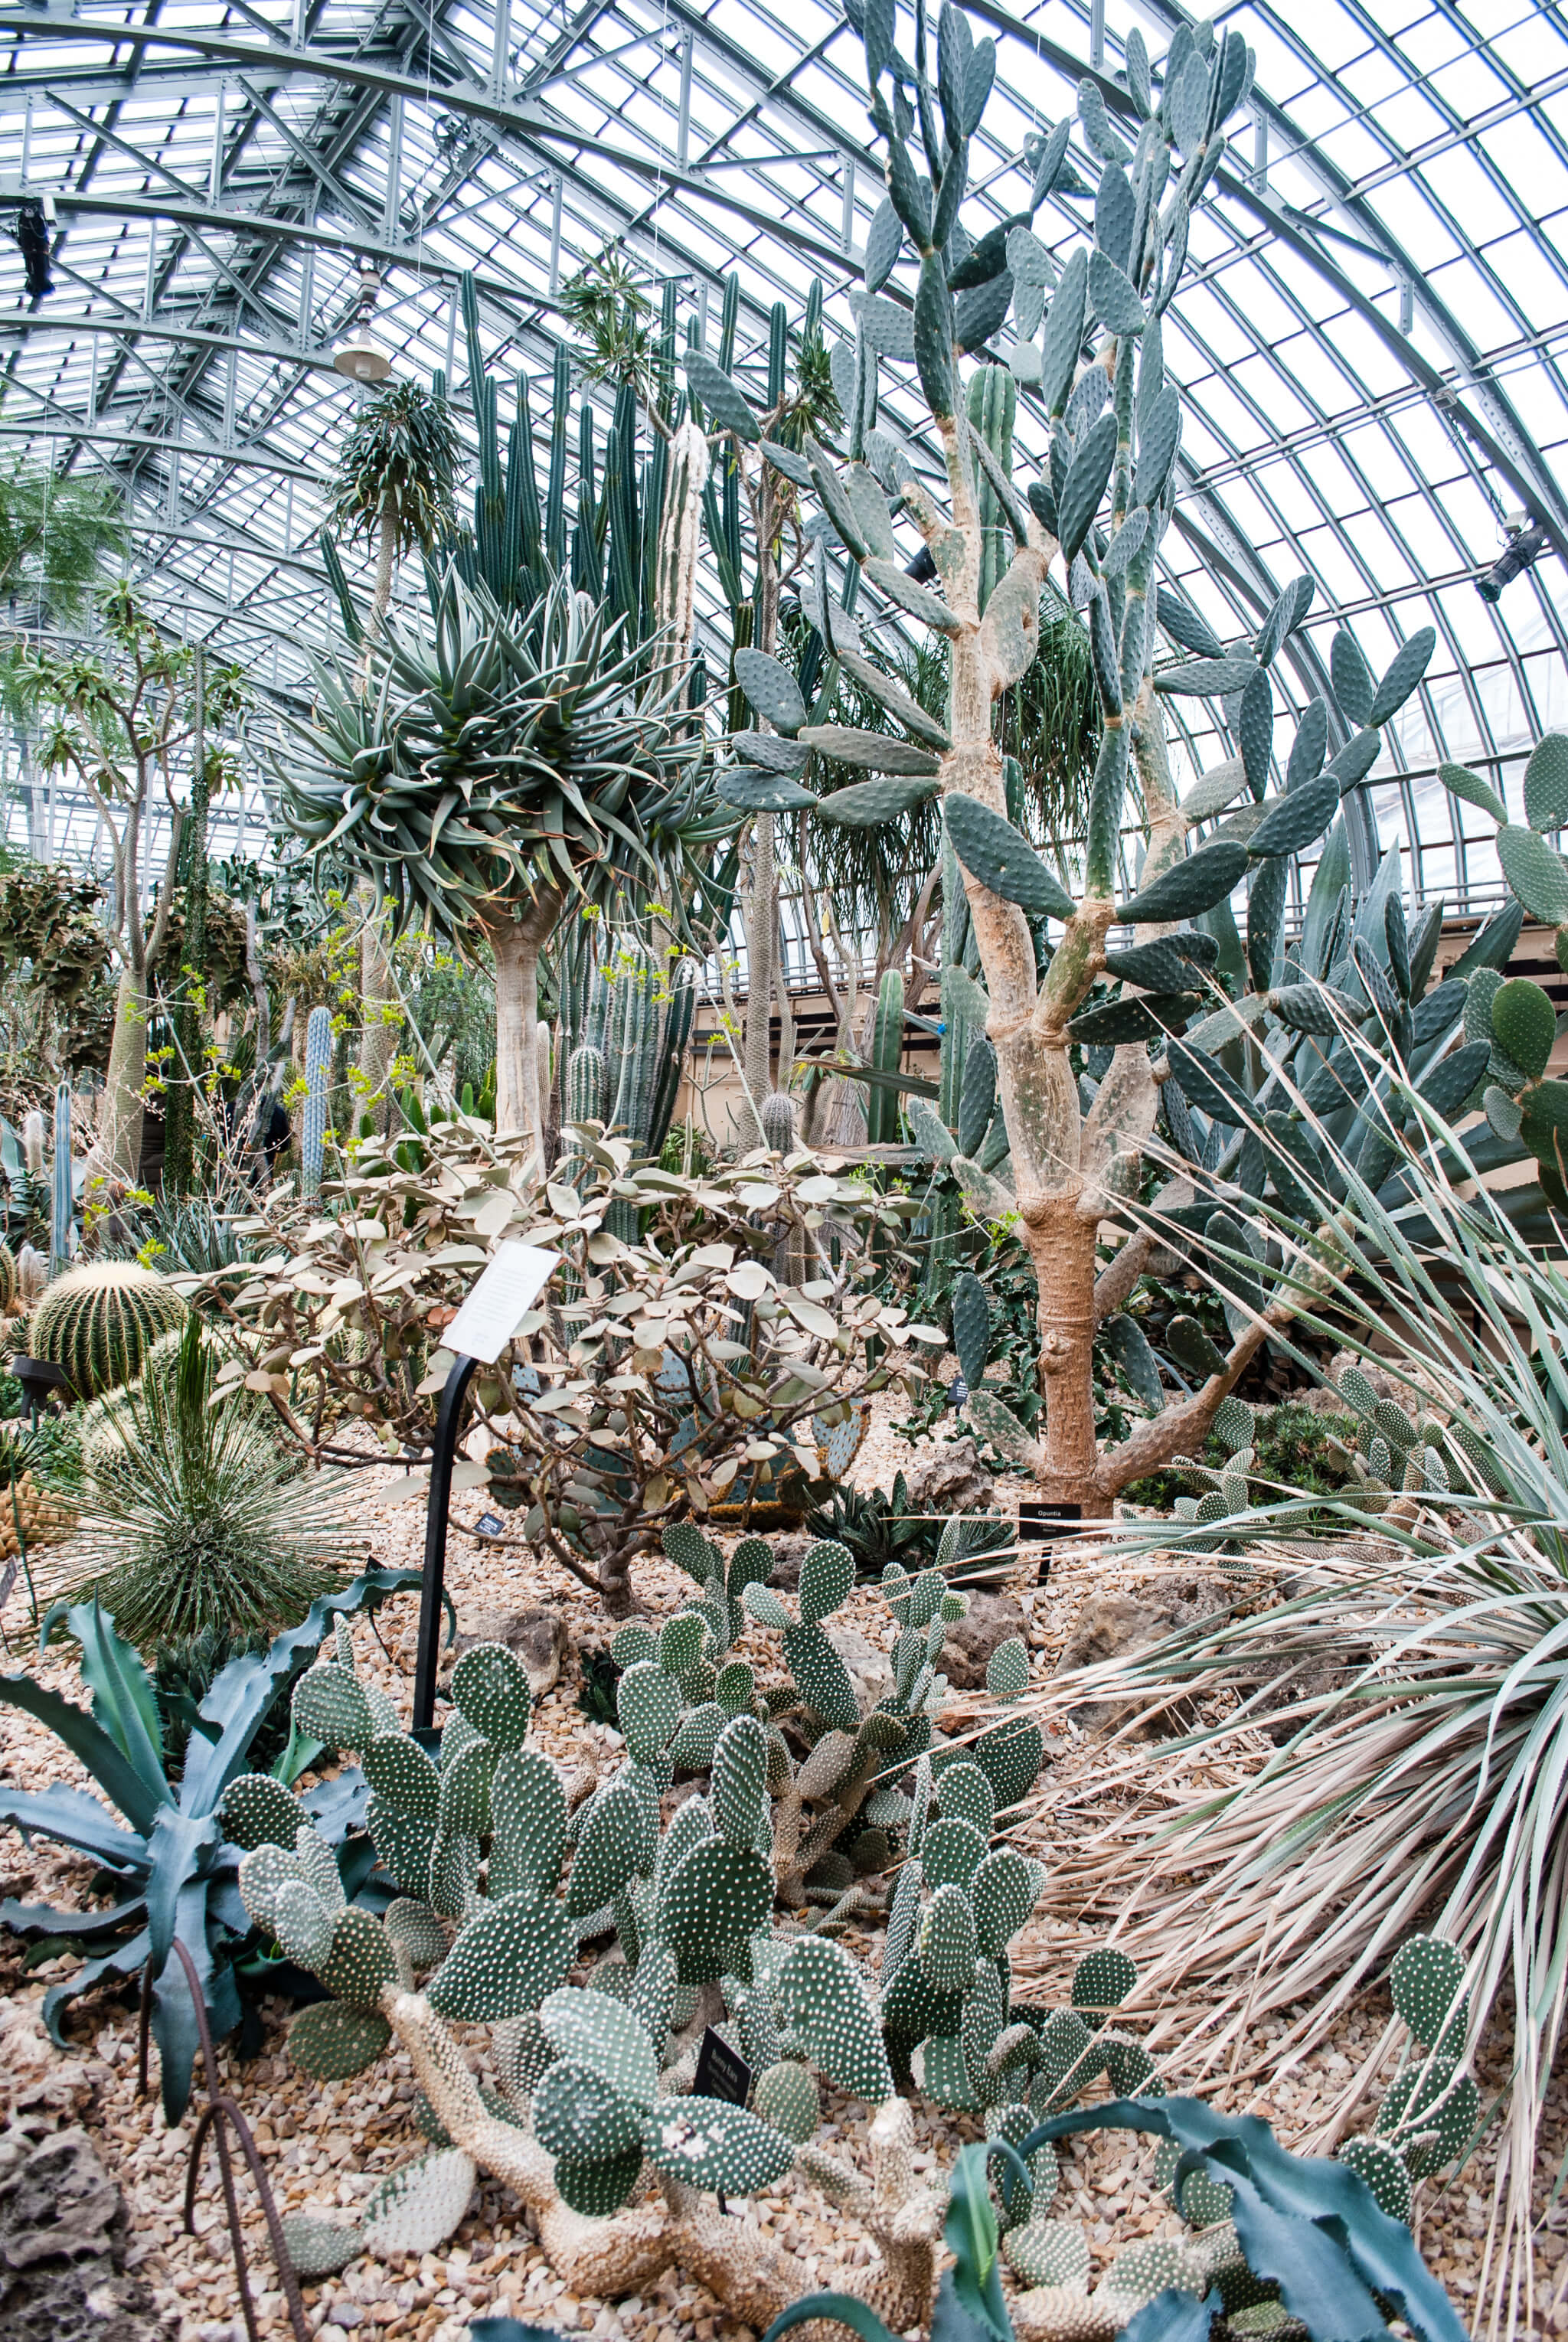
[
  {"x": 97, "y": 1323},
  {"x": 313, "y": 1122},
  {"x": 62, "y": 1195}
]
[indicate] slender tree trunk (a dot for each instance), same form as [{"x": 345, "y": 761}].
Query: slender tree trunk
[{"x": 516, "y": 944}]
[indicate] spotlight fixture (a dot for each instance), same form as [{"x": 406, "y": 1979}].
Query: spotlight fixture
[
  {"x": 359, "y": 358},
  {"x": 1526, "y": 543},
  {"x": 32, "y": 235}
]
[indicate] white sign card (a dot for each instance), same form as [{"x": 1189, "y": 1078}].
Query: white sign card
[{"x": 505, "y": 1292}]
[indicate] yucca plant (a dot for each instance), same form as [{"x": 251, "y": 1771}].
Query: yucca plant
[
  {"x": 1412, "y": 1680},
  {"x": 496, "y": 766},
  {"x": 193, "y": 1520}
]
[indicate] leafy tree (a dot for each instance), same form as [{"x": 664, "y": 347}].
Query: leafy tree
[
  {"x": 55, "y": 537},
  {"x": 120, "y": 714}
]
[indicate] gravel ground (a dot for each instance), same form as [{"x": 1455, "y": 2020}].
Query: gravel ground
[{"x": 324, "y": 2146}]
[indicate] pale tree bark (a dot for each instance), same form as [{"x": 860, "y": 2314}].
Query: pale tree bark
[
  {"x": 122, "y": 1116},
  {"x": 516, "y": 944},
  {"x": 377, "y": 994}
]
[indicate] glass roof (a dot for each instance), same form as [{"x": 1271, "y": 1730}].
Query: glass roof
[{"x": 1370, "y": 339}]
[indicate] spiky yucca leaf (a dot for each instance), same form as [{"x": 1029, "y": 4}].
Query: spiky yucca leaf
[{"x": 194, "y": 1520}]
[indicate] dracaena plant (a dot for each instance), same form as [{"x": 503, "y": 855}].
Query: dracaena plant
[{"x": 165, "y": 1846}]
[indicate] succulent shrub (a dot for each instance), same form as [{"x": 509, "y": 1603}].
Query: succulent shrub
[
  {"x": 167, "y": 1847},
  {"x": 98, "y": 1322},
  {"x": 680, "y": 1379},
  {"x": 574, "y": 770},
  {"x": 195, "y": 1518}
]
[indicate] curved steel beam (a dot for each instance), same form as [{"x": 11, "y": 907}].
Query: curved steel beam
[{"x": 531, "y": 124}]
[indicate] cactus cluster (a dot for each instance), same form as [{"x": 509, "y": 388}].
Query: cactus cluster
[
  {"x": 625, "y": 1049},
  {"x": 97, "y": 1323},
  {"x": 1431, "y": 2111},
  {"x": 1394, "y": 1454}
]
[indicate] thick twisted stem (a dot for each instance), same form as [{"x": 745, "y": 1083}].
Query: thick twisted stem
[{"x": 741, "y": 2267}]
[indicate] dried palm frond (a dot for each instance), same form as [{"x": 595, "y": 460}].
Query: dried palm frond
[{"x": 1386, "y": 1748}]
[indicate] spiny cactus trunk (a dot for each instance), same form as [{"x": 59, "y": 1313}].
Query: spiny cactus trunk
[
  {"x": 630, "y": 2250},
  {"x": 120, "y": 1122},
  {"x": 516, "y": 944},
  {"x": 378, "y": 1034},
  {"x": 762, "y": 925},
  {"x": 1061, "y": 1245}
]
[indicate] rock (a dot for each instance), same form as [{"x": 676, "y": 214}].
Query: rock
[
  {"x": 537, "y": 1634},
  {"x": 789, "y": 1552},
  {"x": 62, "y": 2235},
  {"x": 991, "y": 1619},
  {"x": 870, "y": 1670},
  {"x": 950, "y": 1478},
  {"x": 1118, "y": 1625}
]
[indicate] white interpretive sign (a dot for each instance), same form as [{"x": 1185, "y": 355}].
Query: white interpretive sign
[{"x": 502, "y": 1295}]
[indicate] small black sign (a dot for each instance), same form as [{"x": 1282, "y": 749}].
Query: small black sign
[
  {"x": 1042, "y": 1523},
  {"x": 722, "y": 2072},
  {"x": 488, "y": 1524}
]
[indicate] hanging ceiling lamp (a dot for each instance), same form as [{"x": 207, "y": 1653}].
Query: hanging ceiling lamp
[{"x": 359, "y": 358}]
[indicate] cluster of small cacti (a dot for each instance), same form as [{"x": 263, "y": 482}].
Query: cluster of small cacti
[
  {"x": 475, "y": 1843},
  {"x": 31, "y": 1515},
  {"x": 98, "y": 1322},
  {"x": 624, "y": 1071}
]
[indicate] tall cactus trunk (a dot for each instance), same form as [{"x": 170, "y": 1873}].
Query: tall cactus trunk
[
  {"x": 516, "y": 944},
  {"x": 761, "y": 928},
  {"x": 120, "y": 1124},
  {"x": 1061, "y": 1245}
]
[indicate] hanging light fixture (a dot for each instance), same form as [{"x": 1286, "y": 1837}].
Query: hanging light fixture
[{"x": 359, "y": 358}]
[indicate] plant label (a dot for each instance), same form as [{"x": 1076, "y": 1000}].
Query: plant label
[{"x": 503, "y": 1293}]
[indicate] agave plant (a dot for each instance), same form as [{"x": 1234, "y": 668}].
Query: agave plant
[
  {"x": 496, "y": 766},
  {"x": 1414, "y": 1682},
  {"x": 162, "y": 1848}
]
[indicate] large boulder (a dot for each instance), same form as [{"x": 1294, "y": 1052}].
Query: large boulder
[
  {"x": 63, "y": 2235},
  {"x": 536, "y": 1634},
  {"x": 989, "y": 1621},
  {"x": 950, "y": 1478}
]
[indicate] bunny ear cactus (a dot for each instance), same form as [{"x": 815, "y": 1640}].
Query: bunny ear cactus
[{"x": 1431, "y": 2114}]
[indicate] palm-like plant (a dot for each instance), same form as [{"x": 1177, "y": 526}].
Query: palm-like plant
[
  {"x": 54, "y": 535},
  {"x": 194, "y": 1520},
  {"x": 491, "y": 766},
  {"x": 1412, "y": 1682},
  {"x": 393, "y": 482}
]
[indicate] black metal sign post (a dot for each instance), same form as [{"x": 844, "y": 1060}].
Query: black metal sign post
[
  {"x": 1042, "y": 1523},
  {"x": 437, "y": 1513},
  {"x": 499, "y": 1300},
  {"x": 722, "y": 2073}
]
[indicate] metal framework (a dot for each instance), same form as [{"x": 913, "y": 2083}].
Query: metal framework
[{"x": 1369, "y": 346}]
